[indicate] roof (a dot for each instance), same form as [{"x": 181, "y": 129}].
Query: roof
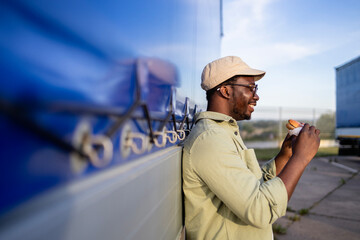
[{"x": 348, "y": 63}]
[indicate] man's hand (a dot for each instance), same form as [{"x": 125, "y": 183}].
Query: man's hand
[
  {"x": 287, "y": 145},
  {"x": 307, "y": 143},
  {"x": 304, "y": 149},
  {"x": 285, "y": 153}
]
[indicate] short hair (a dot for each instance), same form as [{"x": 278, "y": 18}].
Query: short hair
[{"x": 210, "y": 93}]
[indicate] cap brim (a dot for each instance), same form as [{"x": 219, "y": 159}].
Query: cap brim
[{"x": 258, "y": 74}]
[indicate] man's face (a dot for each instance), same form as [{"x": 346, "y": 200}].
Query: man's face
[{"x": 242, "y": 99}]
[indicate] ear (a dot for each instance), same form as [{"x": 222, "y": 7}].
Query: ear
[{"x": 224, "y": 92}]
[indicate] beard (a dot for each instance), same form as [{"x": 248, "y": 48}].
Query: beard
[
  {"x": 240, "y": 108},
  {"x": 241, "y": 115}
]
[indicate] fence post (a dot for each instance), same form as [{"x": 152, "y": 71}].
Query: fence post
[
  {"x": 280, "y": 127},
  {"x": 314, "y": 116}
]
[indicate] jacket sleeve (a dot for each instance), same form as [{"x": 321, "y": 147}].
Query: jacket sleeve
[
  {"x": 216, "y": 161},
  {"x": 269, "y": 169}
]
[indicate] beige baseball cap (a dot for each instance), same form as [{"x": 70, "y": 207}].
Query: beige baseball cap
[{"x": 225, "y": 68}]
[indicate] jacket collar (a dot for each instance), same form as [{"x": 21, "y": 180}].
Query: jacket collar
[{"x": 214, "y": 116}]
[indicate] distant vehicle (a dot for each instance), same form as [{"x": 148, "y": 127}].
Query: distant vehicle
[
  {"x": 348, "y": 107},
  {"x": 90, "y": 120}
]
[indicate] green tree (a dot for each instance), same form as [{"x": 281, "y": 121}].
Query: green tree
[
  {"x": 326, "y": 124},
  {"x": 248, "y": 127}
]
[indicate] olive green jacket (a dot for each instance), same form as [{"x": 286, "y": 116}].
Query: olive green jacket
[{"x": 227, "y": 194}]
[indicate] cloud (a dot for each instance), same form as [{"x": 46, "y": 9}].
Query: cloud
[
  {"x": 292, "y": 38},
  {"x": 293, "y": 51},
  {"x": 249, "y": 33},
  {"x": 268, "y": 54},
  {"x": 245, "y": 13},
  {"x": 279, "y": 53},
  {"x": 258, "y": 8}
]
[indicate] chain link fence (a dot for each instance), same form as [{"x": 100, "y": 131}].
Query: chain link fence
[{"x": 267, "y": 127}]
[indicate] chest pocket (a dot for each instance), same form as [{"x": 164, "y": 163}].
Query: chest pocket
[{"x": 248, "y": 155}]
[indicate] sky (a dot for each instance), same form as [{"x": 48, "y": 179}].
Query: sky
[{"x": 297, "y": 42}]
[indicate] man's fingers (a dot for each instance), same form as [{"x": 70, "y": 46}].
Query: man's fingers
[
  {"x": 287, "y": 137},
  {"x": 304, "y": 128},
  {"x": 308, "y": 128},
  {"x": 292, "y": 137},
  {"x": 312, "y": 128}
]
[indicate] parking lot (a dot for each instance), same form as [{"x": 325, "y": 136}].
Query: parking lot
[{"x": 325, "y": 204}]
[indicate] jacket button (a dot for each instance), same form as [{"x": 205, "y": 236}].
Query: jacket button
[{"x": 236, "y": 133}]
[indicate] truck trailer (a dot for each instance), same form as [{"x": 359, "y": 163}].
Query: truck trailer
[
  {"x": 91, "y": 118},
  {"x": 348, "y": 107}
]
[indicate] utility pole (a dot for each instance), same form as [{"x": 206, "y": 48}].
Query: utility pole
[{"x": 280, "y": 126}]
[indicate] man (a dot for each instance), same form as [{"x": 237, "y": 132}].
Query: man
[{"x": 227, "y": 194}]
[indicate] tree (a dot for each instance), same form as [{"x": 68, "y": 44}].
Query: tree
[{"x": 326, "y": 124}]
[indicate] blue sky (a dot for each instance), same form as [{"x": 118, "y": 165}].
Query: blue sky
[{"x": 298, "y": 43}]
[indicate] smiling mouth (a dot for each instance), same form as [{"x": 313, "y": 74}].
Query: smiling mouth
[{"x": 252, "y": 105}]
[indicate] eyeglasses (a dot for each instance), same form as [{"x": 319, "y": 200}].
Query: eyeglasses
[{"x": 253, "y": 87}]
